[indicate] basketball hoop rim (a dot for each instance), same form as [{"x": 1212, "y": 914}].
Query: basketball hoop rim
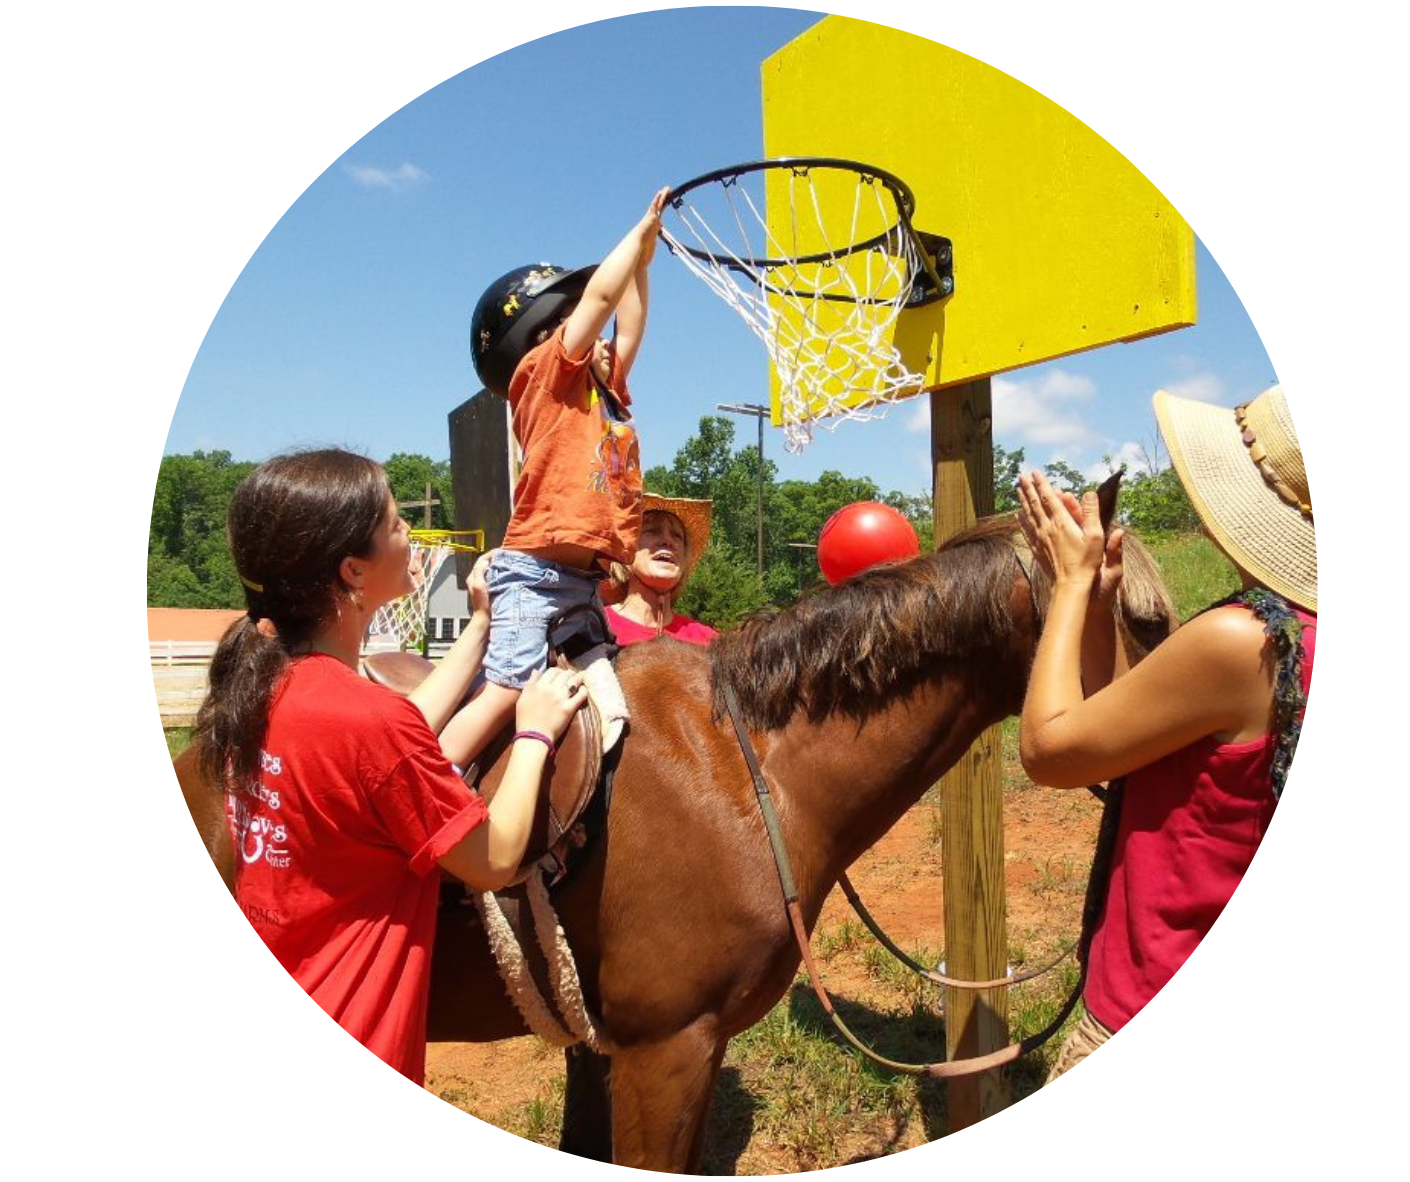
[
  {"x": 905, "y": 205},
  {"x": 474, "y": 542}
]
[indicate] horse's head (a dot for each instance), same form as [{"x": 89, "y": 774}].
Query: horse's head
[
  {"x": 1145, "y": 613},
  {"x": 1107, "y": 492}
]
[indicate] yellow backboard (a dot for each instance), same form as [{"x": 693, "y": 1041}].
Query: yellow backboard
[{"x": 1060, "y": 243}]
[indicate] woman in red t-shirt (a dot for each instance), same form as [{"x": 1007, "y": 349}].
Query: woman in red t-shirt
[
  {"x": 343, "y": 810},
  {"x": 1202, "y": 731},
  {"x": 674, "y": 534}
]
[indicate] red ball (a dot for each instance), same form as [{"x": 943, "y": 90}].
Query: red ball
[{"x": 861, "y": 535}]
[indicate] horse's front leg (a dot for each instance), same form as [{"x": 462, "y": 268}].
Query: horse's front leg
[
  {"x": 661, "y": 1096},
  {"x": 587, "y": 1105}
]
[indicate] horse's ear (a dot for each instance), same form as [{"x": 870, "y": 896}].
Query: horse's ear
[{"x": 1106, "y": 497}]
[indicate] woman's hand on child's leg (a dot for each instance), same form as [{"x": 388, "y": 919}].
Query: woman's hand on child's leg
[{"x": 549, "y": 701}]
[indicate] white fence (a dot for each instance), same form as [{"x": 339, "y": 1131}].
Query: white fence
[
  {"x": 182, "y": 652},
  {"x": 200, "y": 652}
]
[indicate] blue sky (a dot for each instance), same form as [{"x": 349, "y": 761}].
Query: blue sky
[{"x": 348, "y": 325}]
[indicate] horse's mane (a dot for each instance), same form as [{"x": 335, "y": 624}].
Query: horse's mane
[{"x": 850, "y": 648}]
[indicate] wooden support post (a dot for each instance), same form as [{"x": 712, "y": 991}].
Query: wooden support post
[
  {"x": 972, "y": 828},
  {"x": 483, "y": 470}
]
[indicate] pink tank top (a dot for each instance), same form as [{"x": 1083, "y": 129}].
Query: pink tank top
[{"x": 1190, "y": 825}]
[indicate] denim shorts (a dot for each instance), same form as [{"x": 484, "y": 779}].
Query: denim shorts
[{"x": 525, "y": 593}]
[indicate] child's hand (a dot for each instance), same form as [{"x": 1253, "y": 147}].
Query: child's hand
[{"x": 650, "y": 227}]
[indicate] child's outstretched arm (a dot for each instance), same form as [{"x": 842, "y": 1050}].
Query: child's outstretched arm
[
  {"x": 631, "y": 315},
  {"x": 611, "y": 279}
]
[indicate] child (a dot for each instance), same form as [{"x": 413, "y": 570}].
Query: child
[{"x": 536, "y": 339}]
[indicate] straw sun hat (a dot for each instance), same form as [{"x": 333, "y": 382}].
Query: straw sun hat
[
  {"x": 694, "y": 515},
  {"x": 1244, "y": 473}
]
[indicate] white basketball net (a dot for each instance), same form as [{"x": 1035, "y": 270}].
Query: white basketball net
[
  {"x": 403, "y": 621},
  {"x": 827, "y": 323}
]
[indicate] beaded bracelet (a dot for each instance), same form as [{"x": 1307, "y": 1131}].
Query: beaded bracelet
[{"x": 540, "y": 736}]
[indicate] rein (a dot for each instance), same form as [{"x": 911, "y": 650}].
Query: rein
[
  {"x": 939, "y": 1070},
  {"x": 930, "y": 974}
]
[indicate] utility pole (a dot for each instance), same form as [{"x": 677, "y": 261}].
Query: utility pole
[
  {"x": 800, "y": 547},
  {"x": 760, "y": 413}
]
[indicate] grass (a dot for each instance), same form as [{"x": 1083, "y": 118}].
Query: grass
[
  {"x": 1065, "y": 874},
  {"x": 815, "y": 1102},
  {"x": 843, "y": 937},
  {"x": 541, "y": 1119},
  {"x": 1195, "y": 572},
  {"x": 178, "y": 738}
]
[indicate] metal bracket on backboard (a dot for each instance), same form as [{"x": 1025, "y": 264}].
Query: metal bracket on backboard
[{"x": 937, "y": 280}]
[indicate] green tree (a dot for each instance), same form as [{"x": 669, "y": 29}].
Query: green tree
[
  {"x": 724, "y": 589},
  {"x": 171, "y": 583},
  {"x": 727, "y": 584},
  {"x": 1008, "y": 467},
  {"x": 704, "y": 458},
  {"x": 804, "y": 506},
  {"x": 409, "y": 475},
  {"x": 736, "y": 495},
  {"x": 188, "y": 560},
  {"x": 919, "y": 510},
  {"x": 801, "y": 509},
  {"x": 1156, "y": 503},
  {"x": 1066, "y": 478}
]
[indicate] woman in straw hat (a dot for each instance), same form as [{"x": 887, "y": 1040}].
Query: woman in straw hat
[
  {"x": 1197, "y": 739},
  {"x": 674, "y": 534}
]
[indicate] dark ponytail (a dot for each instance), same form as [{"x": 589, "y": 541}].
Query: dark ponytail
[{"x": 291, "y": 523}]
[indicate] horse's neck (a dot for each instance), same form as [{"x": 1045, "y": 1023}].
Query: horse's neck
[{"x": 845, "y": 782}]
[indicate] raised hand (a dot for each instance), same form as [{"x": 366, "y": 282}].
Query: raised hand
[
  {"x": 1065, "y": 534},
  {"x": 650, "y": 227}
]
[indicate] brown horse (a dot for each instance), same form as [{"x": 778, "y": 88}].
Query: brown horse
[{"x": 858, "y": 698}]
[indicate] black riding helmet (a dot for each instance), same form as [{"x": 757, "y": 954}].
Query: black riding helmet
[{"x": 513, "y": 310}]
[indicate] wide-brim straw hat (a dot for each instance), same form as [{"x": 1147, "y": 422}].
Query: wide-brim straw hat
[
  {"x": 1243, "y": 471},
  {"x": 694, "y": 515}
]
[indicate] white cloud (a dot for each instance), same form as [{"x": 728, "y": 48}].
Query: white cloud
[
  {"x": 397, "y": 180},
  {"x": 1204, "y": 387},
  {"x": 1134, "y": 455},
  {"x": 1042, "y": 411},
  {"x": 1045, "y": 411}
]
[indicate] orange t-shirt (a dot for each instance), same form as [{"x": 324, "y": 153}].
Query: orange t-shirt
[{"x": 581, "y": 480}]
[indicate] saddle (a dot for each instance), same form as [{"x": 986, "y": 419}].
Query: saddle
[
  {"x": 572, "y": 776},
  {"x": 560, "y": 825}
]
